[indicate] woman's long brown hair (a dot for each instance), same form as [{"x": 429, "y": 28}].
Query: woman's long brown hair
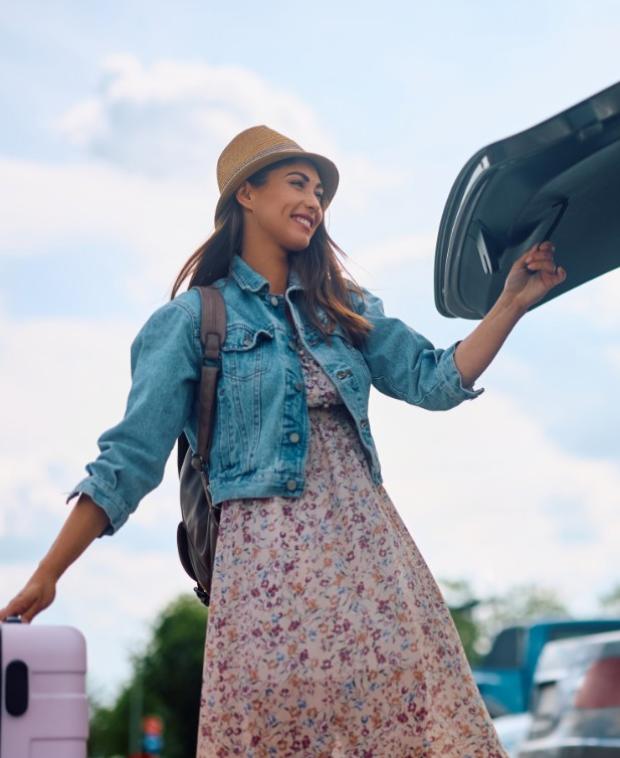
[{"x": 318, "y": 266}]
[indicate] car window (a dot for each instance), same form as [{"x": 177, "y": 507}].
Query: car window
[{"x": 507, "y": 649}]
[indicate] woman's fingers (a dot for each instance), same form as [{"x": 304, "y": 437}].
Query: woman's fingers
[
  {"x": 540, "y": 257},
  {"x": 544, "y": 251},
  {"x": 548, "y": 265},
  {"x": 30, "y": 601},
  {"x": 546, "y": 245},
  {"x": 533, "y": 274},
  {"x": 29, "y": 614},
  {"x": 17, "y": 607}
]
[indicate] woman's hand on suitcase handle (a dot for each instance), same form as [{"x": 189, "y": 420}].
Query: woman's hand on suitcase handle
[
  {"x": 84, "y": 523},
  {"x": 36, "y": 596}
]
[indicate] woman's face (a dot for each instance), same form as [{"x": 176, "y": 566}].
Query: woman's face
[{"x": 287, "y": 208}]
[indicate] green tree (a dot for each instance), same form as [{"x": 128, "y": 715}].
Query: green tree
[
  {"x": 520, "y": 604},
  {"x": 166, "y": 682},
  {"x": 610, "y": 601},
  {"x": 462, "y": 603},
  {"x": 478, "y": 620},
  {"x": 109, "y": 726}
]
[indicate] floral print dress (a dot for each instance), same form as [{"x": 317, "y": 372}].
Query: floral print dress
[{"x": 327, "y": 634}]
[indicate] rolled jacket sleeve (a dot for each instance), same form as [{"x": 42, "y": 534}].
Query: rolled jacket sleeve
[
  {"x": 405, "y": 365},
  {"x": 165, "y": 369}
]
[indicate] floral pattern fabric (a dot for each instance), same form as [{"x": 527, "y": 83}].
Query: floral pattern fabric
[{"x": 327, "y": 634}]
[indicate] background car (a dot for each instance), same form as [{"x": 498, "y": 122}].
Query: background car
[
  {"x": 505, "y": 675},
  {"x": 576, "y": 700},
  {"x": 512, "y": 731}
]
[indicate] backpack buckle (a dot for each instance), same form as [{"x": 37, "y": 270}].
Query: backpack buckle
[{"x": 197, "y": 462}]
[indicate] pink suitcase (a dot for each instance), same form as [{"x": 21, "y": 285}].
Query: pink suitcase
[{"x": 44, "y": 711}]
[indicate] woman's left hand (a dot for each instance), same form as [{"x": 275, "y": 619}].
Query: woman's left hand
[{"x": 533, "y": 275}]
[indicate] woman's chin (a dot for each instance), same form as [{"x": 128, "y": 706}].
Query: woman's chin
[{"x": 297, "y": 245}]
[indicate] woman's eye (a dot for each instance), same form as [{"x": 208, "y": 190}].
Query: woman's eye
[{"x": 299, "y": 183}]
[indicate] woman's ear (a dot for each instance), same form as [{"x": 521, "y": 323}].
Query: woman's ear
[{"x": 244, "y": 195}]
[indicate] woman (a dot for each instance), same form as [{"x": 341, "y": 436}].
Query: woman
[{"x": 327, "y": 633}]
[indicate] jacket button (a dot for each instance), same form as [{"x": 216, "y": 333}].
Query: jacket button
[
  {"x": 294, "y": 437},
  {"x": 292, "y": 344},
  {"x": 274, "y": 300},
  {"x": 364, "y": 423},
  {"x": 299, "y": 386},
  {"x": 343, "y": 373},
  {"x": 291, "y": 485}
]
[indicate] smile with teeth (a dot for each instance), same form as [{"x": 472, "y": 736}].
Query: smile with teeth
[{"x": 303, "y": 221}]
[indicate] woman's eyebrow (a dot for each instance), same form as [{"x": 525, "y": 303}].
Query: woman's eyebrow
[{"x": 307, "y": 178}]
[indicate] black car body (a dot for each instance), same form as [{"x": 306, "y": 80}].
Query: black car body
[{"x": 558, "y": 180}]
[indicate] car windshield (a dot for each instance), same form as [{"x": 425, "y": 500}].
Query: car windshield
[{"x": 507, "y": 649}]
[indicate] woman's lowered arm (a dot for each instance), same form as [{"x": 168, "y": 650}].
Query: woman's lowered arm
[
  {"x": 530, "y": 278},
  {"x": 85, "y": 522},
  {"x": 165, "y": 365}
]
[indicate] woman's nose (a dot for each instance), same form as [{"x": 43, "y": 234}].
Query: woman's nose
[{"x": 315, "y": 204}]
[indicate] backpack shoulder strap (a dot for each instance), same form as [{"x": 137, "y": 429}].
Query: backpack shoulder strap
[{"x": 212, "y": 335}]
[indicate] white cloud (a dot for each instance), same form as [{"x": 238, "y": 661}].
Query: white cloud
[
  {"x": 146, "y": 182},
  {"x": 597, "y": 302},
  {"x": 378, "y": 257},
  {"x": 161, "y": 223},
  {"x": 486, "y": 495},
  {"x": 84, "y": 123},
  {"x": 612, "y": 355},
  {"x": 173, "y": 118}
]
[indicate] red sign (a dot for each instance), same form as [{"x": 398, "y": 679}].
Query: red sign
[{"x": 152, "y": 725}]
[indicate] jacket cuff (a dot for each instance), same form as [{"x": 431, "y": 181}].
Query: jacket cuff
[
  {"x": 451, "y": 379},
  {"x": 115, "y": 510}
]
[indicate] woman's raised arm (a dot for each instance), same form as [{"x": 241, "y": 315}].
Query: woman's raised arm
[
  {"x": 530, "y": 278},
  {"x": 405, "y": 365}
]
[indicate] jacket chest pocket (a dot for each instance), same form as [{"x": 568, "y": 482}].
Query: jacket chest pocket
[
  {"x": 346, "y": 351},
  {"x": 247, "y": 351}
]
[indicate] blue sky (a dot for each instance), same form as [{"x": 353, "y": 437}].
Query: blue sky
[{"x": 115, "y": 114}]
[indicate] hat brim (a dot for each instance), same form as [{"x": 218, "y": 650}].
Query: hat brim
[{"x": 326, "y": 168}]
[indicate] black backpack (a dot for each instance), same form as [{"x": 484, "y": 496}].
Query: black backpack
[{"x": 198, "y": 530}]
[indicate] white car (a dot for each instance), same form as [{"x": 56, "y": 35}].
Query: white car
[
  {"x": 512, "y": 731},
  {"x": 576, "y": 700}
]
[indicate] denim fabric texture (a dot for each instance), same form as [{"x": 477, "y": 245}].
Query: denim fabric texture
[{"x": 261, "y": 425}]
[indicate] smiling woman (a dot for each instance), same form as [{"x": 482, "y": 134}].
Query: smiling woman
[
  {"x": 261, "y": 205},
  {"x": 327, "y": 633}
]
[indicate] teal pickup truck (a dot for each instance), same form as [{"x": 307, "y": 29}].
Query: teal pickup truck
[{"x": 504, "y": 676}]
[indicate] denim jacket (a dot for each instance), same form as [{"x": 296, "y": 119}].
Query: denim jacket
[{"x": 261, "y": 424}]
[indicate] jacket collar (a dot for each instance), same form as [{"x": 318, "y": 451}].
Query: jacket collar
[{"x": 249, "y": 279}]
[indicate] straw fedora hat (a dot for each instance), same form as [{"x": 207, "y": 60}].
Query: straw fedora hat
[{"x": 257, "y": 147}]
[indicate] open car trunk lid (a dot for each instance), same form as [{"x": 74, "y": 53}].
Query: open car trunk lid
[{"x": 558, "y": 180}]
